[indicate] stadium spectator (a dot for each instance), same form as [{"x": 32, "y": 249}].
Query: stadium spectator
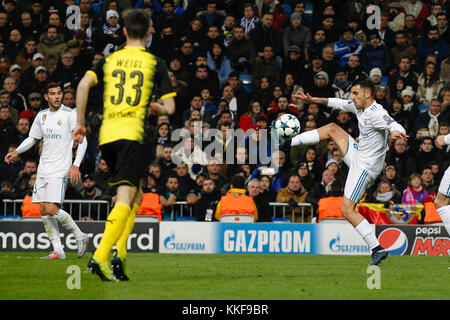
[
  {"x": 429, "y": 84},
  {"x": 341, "y": 85},
  {"x": 262, "y": 203},
  {"x": 414, "y": 193},
  {"x": 296, "y": 34},
  {"x": 241, "y": 51},
  {"x": 385, "y": 193},
  {"x": 426, "y": 153},
  {"x": 51, "y": 44},
  {"x": 347, "y": 46},
  {"x": 419, "y": 10},
  {"x": 266, "y": 188},
  {"x": 433, "y": 44},
  {"x": 354, "y": 70},
  {"x": 320, "y": 189},
  {"x": 293, "y": 194},
  {"x": 430, "y": 119},
  {"x": 168, "y": 196},
  {"x": 267, "y": 65},
  {"x": 428, "y": 181},
  {"x": 396, "y": 16},
  {"x": 29, "y": 168},
  {"x": 17, "y": 100},
  {"x": 376, "y": 55},
  {"x": 305, "y": 175},
  {"x": 265, "y": 34},
  {"x": 402, "y": 47},
  {"x": 209, "y": 197},
  {"x": 218, "y": 61}
]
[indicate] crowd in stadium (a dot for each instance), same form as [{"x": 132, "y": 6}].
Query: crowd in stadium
[{"x": 236, "y": 64}]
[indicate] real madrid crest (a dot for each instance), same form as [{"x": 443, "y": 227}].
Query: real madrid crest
[
  {"x": 44, "y": 117},
  {"x": 59, "y": 122}
]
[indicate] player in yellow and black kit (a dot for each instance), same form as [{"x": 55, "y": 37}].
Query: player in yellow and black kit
[{"x": 128, "y": 77}]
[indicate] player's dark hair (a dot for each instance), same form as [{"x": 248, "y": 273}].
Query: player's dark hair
[
  {"x": 366, "y": 84},
  {"x": 137, "y": 23},
  {"x": 51, "y": 85}
]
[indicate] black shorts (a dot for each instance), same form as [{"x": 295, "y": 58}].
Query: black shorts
[{"x": 125, "y": 160}]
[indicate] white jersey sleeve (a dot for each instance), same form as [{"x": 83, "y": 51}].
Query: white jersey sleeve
[
  {"x": 36, "y": 129},
  {"x": 382, "y": 120},
  {"x": 447, "y": 139},
  {"x": 73, "y": 120},
  {"x": 342, "y": 104}
]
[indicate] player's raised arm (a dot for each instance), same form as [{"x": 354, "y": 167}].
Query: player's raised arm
[
  {"x": 83, "y": 88},
  {"x": 306, "y": 98},
  {"x": 335, "y": 103}
]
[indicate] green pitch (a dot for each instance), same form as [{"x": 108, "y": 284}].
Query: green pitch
[{"x": 227, "y": 277}]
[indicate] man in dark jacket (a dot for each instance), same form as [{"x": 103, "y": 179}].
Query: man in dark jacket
[
  {"x": 264, "y": 34},
  {"x": 210, "y": 196},
  {"x": 376, "y": 55},
  {"x": 241, "y": 47}
]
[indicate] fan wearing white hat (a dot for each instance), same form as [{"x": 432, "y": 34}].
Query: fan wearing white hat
[{"x": 110, "y": 37}]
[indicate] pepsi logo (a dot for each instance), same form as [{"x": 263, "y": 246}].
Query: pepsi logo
[{"x": 394, "y": 240}]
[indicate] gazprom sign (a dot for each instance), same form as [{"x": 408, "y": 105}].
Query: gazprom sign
[{"x": 268, "y": 238}]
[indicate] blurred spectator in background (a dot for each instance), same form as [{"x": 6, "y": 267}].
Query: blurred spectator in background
[
  {"x": 293, "y": 194},
  {"x": 414, "y": 193},
  {"x": 320, "y": 189},
  {"x": 209, "y": 197}
]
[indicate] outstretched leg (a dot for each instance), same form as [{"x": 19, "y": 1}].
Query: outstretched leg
[{"x": 330, "y": 131}]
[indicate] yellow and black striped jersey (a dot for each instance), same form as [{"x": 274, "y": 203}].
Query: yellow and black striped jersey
[{"x": 128, "y": 77}]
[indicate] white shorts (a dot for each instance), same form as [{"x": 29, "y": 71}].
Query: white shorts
[
  {"x": 49, "y": 189},
  {"x": 358, "y": 177},
  {"x": 444, "y": 187}
]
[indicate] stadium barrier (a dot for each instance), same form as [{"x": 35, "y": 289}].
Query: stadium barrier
[
  {"x": 237, "y": 238},
  {"x": 99, "y": 209}
]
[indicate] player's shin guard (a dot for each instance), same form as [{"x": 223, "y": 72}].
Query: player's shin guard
[
  {"x": 114, "y": 226},
  {"x": 307, "y": 137},
  {"x": 52, "y": 230},
  {"x": 67, "y": 222},
  {"x": 365, "y": 231},
  {"x": 444, "y": 212},
  {"x": 121, "y": 244}
]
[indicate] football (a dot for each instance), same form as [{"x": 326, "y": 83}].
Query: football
[{"x": 287, "y": 126}]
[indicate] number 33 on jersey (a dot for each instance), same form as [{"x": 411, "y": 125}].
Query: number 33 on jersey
[{"x": 128, "y": 77}]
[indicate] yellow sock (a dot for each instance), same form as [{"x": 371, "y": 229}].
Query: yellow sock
[
  {"x": 115, "y": 223},
  {"x": 121, "y": 244}
]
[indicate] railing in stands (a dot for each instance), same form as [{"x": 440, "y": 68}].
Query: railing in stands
[{"x": 99, "y": 209}]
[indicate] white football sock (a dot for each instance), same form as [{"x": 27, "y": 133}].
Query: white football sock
[
  {"x": 444, "y": 212},
  {"x": 67, "y": 222},
  {"x": 51, "y": 227},
  {"x": 365, "y": 231},
  {"x": 308, "y": 137}
]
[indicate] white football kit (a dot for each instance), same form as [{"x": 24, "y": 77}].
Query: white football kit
[
  {"x": 444, "y": 186},
  {"x": 366, "y": 158},
  {"x": 55, "y": 128}
]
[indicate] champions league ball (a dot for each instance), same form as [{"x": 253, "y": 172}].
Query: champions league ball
[{"x": 287, "y": 126}]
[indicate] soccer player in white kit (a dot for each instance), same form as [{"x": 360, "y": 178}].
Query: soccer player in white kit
[
  {"x": 365, "y": 158},
  {"x": 442, "y": 197},
  {"x": 55, "y": 125}
]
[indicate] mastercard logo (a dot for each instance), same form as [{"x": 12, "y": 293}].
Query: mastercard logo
[{"x": 395, "y": 240}]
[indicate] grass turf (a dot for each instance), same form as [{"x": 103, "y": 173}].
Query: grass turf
[{"x": 228, "y": 277}]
